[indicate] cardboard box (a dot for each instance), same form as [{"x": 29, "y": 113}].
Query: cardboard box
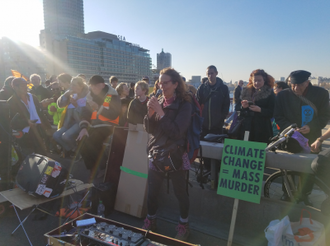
[{"x": 132, "y": 187}]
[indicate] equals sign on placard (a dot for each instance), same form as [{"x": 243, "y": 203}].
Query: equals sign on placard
[{"x": 225, "y": 171}]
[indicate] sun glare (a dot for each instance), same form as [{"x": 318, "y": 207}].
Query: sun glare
[{"x": 21, "y": 20}]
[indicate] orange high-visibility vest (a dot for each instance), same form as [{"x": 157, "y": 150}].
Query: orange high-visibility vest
[{"x": 101, "y": 117}]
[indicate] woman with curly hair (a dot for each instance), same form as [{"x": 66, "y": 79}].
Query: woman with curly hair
[
  {"x": 258, "y": 102},
  {"x": 167, "y": 123}
]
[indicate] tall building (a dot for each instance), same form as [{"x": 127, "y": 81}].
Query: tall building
[
  {"x": 64, "y": 17},
  {"x": 21, "y": 57},
  {"x": 164, "y": 60},
  {"x": 69, "y": 49},
  {"x": 96, "y": 53}
]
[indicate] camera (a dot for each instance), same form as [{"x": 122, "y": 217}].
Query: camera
[{"x": 250, "y": 103}]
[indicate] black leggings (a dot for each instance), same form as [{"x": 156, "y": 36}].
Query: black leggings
[{"x": 155, "y": 181}]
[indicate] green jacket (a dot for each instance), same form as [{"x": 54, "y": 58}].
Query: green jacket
[{"x": 56, "y": 115}]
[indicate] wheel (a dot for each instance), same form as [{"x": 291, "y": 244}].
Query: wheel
[{"x": 318, "y": 197}]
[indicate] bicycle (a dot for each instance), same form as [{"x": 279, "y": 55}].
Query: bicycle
[{"x": 290, "y": 182}]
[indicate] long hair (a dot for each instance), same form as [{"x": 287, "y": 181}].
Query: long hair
[
  {"x": 181, "y": 90},
  {"x": 269, "y": 80}
]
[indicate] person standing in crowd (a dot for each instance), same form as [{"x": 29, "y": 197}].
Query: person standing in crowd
[
  {"x": 308, "y": 107},
  {"x": 258, "y": 101},
  {"x": 73, "y": 100},
  {"x": 64, "y": 80},
  {"x": 146, "y": 79},
  {"x": 279, "y": 86},
  {"x": 7, "y": 91},
  {"x": 131, "y": 90},
  {"x": 26, "y": 116},
  {"x": 123, "y": 92},
  {"x": 213, "y": 96},
  {"x": 237, "y": 95},
  {"x": 167, "y": 121},
  {"x": 138, "y": 107},
  {"x": 236, "y": 101},
  {"x": 113, "y": 81},
  {"x": 38, "y": 90},
  {"x": 156, "y": 91},
  {"x": 204, "y": 80},
  {"x": 97, "y": 120},
  {"x": 303, "y": 104}
]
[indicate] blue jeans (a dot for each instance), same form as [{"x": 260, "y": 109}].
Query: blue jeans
[{"x": 66, "y": 137}]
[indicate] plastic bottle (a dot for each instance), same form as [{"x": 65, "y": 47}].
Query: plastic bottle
[{"x": 100, "y": 209}]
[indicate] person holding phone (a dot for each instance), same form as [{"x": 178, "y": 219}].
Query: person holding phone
[
  {"x": 258, "y": 102},
  {"x": 26, "y": 115}
]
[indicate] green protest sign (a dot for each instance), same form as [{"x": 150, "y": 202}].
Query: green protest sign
[{"x": 242, "y": 169}]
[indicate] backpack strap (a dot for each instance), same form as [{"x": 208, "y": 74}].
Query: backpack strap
[{"x": 305, "y": 100}]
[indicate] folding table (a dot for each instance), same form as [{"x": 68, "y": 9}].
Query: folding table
[{"x": 22, "y": 200}]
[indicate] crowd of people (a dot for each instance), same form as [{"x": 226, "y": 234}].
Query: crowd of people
[{"x": 84, "y": 114}]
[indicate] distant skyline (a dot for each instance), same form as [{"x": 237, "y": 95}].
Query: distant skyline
[{"x": 236, "y": 36}]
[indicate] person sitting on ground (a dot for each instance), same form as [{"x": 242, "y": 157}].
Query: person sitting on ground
[
  {"x": 138, "y": 107},
  {"x": 123, "y": 92},
  {"x": 98, "y": 119},
  {"x": 113, "y": 81},
  {"x": 64, "y": 80},
  {"x": 73, "y": 100},
  {"x": 167, "y": 122},
  {"x": 38, "y": 90},
  {"x": 279, "y": 86},
  {"x": 26, "y": 116},
  {"x": 7, "y": 91}
]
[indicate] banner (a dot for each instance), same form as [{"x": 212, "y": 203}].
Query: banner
[{"x": 242, "y": 169}]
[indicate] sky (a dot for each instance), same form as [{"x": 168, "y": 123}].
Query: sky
[{"x": 237, "y": 36}]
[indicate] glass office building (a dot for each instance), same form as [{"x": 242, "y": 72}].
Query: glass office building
[
  {"x": 64, "y": 17},
  {"x": 98, "y": 53}
]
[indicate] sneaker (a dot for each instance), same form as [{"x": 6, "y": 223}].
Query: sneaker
[
  {"x": 150, "y": 224},
  {"x": 183, "y": 231}
]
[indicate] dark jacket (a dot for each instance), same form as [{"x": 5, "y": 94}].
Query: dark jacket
[
  {"x": 111, "y": 112},
  {"x": 40, "y": 92},
  {"x": 237, "y": 98},
  {"x": 136, "y": 111},
  {"x": 289, "y": 109},
  {"x": 216, "y": 106},
  {"x": 258, "y": 123},
  {"x": 172, "y": 128},
  {"x": 21, "y": 121}
]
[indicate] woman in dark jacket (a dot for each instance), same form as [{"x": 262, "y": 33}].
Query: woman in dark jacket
[
  {"x": 167, "y": 122},
  {"x": 258, "y": 101}
]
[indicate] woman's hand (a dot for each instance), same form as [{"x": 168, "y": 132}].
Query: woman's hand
[
  {"x": 154, "y": 106},
  {"x": 315, "y": 147},
  {"x": 245, "y": 103},
  {"x": 255, "y": 108}
]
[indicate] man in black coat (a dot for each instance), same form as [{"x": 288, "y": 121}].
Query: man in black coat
[
  {"x": 214, "y": 95},
  {"x": 237, "y": 95},
  {"x": 291, "y": 106},
  {"x": 308, "y": 107}
]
